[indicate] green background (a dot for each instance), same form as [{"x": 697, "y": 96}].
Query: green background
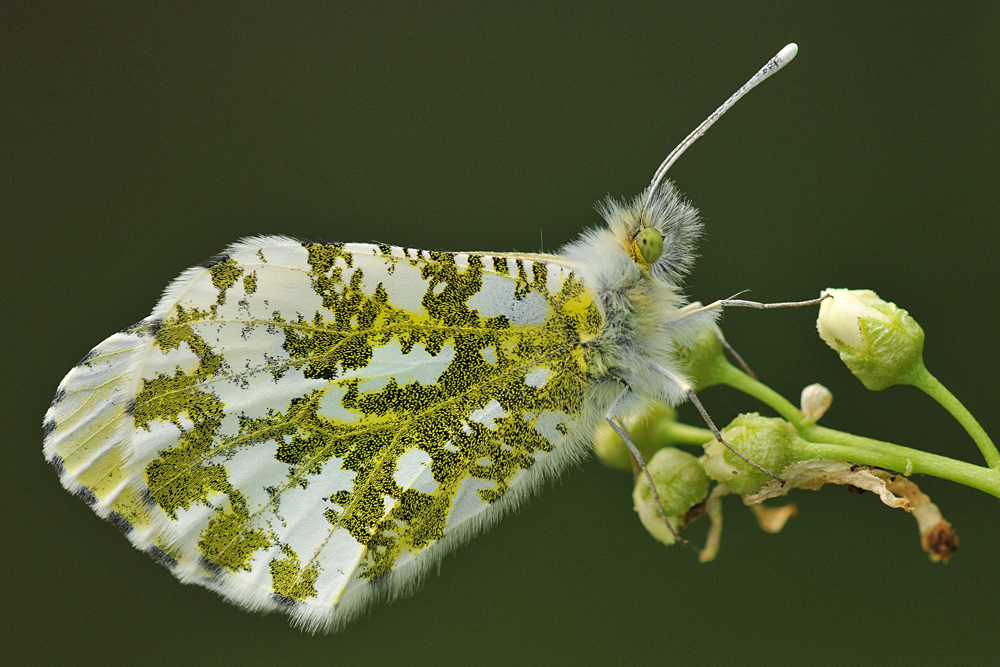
[{"x": 139, "y": 139}]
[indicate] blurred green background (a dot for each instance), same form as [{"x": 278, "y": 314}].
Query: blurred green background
[{"x": 139, "y": 139}]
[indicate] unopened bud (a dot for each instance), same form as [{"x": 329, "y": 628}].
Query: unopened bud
[
  {"x": 880, "y": 343},
  {"x": 815, "y": 401},
  {"x": 701, "y": 358},
  {"x": 768, "y": 442},
  {"x": 649, "y": 434},
  {"x": 681, "y": 483}
]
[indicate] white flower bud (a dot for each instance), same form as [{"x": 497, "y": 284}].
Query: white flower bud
[
  {"x": 815, "y": 401},
  {"x": 878, "y": 341}
]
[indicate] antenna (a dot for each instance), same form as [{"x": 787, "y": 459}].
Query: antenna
[{"x": 773, "y": 65}]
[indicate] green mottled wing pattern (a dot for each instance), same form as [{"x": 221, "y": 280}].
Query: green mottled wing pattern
[{"x": 305, "y": 427}]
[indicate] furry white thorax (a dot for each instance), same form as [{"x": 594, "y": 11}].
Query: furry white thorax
[{"x": 641, "y": 304}]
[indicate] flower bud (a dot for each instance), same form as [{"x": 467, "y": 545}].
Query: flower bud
[
  {"x": 768, "y": 442},
  {"x": 681, "y": 483},
  {"x": 649, "y": 434},
  {"x": 701, "y": 358},
  {"x": 880, "y": 343},
  {"x": 815, "y": 401}
]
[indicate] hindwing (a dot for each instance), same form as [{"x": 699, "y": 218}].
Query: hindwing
[{"x": 298, "y": 422}]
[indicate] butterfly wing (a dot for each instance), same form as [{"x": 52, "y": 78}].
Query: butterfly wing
[{"x": 307, "y": 427}]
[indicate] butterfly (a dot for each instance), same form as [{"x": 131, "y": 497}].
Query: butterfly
[{"x": 308, "y": 427}]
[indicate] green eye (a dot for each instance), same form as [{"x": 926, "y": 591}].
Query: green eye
[{"x": 650, "y": 244}]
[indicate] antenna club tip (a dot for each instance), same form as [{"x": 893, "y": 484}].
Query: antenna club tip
[{"x": 787, "y": 53}]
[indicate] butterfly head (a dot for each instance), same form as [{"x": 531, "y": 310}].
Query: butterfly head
[{"x": 658, "y": 233}]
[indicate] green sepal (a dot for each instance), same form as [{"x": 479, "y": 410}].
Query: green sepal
[{"x": 768, "y": 442}]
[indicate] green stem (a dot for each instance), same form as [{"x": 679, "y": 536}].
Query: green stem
[
  {"x": 922, "y": 379},
  {"x": 821, "y": 442},
  {"x": 726, "y": 373},
  {"x": 840, "y": 446},
  {"x": 677, "y": 433}
]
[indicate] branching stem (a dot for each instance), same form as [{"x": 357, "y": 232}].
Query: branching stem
[
  {"x": 826, "y": 443},
  {"x": 922, "y": 379}
]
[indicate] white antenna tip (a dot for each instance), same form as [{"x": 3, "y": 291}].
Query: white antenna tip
[
  {"x": 783, "y": 57},
  {"x": 787, "y": 53}
]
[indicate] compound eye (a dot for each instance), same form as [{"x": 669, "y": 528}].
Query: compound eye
[{"x": 650, "y": 243}]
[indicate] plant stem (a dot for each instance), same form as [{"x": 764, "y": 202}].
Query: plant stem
[
  {"x": 737, "y": 379},
  {"x": 677, "y": 433},
  {"x": 924, "y": 380},
  {"x": 840, "y": 446},
  {"x": 827, "y": 443}
]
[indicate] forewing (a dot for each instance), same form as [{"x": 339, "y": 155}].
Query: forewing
[{"x": 305, "y": 426}]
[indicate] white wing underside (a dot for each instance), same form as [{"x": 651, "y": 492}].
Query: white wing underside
[{"x": 217, "y": 374}]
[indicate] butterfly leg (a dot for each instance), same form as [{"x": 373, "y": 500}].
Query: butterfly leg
[
  {"x": 733, "y": 352},
  {"x": 686, "y": 387},
  {"x": 721, "y": 303},
  {"x": 695, "y": 309},
  {"x": 637, "y": 456}
]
